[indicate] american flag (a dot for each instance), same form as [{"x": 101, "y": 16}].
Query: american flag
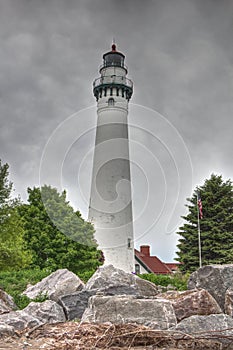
[{"x": 199, "y": 203}]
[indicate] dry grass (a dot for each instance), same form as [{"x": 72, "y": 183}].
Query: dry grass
[{"x": 72, "y": 336}]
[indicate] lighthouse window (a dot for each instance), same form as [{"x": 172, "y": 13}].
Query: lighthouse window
[
  {"x": 129, "y": 243},
  {"x": 111, "y": 101},
  {"x": 137, "y": 269}
]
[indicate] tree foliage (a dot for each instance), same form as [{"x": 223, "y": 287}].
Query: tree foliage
[
  {"x": 13, "y": 255},
  {"x": 57, "y": 236},
  {"x": 216, "y": 226},
  {"x": 5, "y": 184},
  {"x": 12, "y": 252}
]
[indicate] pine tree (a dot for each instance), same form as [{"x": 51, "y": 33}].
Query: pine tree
[
  {"x": 57, "y": 236},
  {"x": 216, "y": 226}
]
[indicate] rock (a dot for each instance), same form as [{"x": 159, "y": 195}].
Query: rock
[
  {"x": 229, "y": 302},
  {"x": 6, "y": 302},
  {"x": 33, "y": 315},
  {"x": 47, "y": 312},
  {"x": 161, "y": 289},
  {"x": 60, "y": 282},
  {"x": 170, "y": 287},
  {"x": 213, "y": 326},
  {"x": 107, "y": 280},
  {"x": 75, "y": 304},
  {"x": 6, "y": 330},
  {"x": 192, "y": 302},
  {"x": 155, "y": 313},
  {"x": 113, "y": 281},
  {"x": 216, "y": 279},
  {"x": 19, "y": 320}
]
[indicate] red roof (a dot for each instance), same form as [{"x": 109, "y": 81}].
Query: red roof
[
  {"x": 173, "y": 266},
  {"x": 152, "y": 263}
]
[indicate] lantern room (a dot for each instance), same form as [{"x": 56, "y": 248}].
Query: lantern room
[{"x": 113, "y": 58}]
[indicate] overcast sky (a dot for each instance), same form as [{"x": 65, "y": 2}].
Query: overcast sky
[{"x": 179, "y": 54}]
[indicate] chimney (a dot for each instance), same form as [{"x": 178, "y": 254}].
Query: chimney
[{"x": 145, "y": 249}]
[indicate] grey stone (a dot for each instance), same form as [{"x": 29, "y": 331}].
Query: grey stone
[
  {"x": 154, "y": 313},
  {"x": 5, "y": 330},
  {"x": 75, "y": 304},
  {"x": 217, "y": 327},
  {"x": 6, "y": 302},
  {"x": 229, "y": 302},
  {"x": 107, "y": 280},
  {"x": 60, "y": 282},
  {"x": 47, "y": 312},
  {"x": 33, "y": 315},
  {"x": 192, "y": 302},
  {"x": 161, "y": 289},
  {"x": 216, "y": 279},
  {"x": 170, "y": 287},
  {"x": 19, "y": 320},
  {"x": 113, "y": 281}
]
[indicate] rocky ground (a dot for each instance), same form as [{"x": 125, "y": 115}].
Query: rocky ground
[
  {"x": 73, "y": 335},
  {"x": 121, "y": 311}
]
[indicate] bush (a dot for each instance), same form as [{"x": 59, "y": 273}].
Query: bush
[
  {"x": 177, "y": 280},
  {"x": 85, "y": 276}
]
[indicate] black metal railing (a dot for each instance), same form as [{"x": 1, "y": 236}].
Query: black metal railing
[{"x": 113, "y": 79}]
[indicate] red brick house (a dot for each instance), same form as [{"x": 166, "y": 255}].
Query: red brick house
[{"x": 145, "y": 263}]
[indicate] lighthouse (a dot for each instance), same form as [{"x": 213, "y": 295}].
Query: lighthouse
[{"x": 110, "y": 208}]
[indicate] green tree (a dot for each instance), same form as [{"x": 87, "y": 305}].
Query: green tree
[
  {"x": 216, "y": 226},
  {"x": 13, "y": 255},
  {"x": 12, "y": 252},
  {"x": 5, "y": 184},
  {"x": 57, "y": 235}
]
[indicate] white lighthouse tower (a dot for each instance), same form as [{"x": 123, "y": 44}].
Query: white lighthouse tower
[{"x": 110, "y": 207}]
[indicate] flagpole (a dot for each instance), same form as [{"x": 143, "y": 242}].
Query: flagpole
[{"x": 199, "y": 234}]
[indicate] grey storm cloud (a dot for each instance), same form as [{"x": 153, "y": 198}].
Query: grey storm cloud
[{"x": 180, "y": 56}]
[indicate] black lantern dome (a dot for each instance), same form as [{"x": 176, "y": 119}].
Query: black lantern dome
[{"x": 113, "y": 58}]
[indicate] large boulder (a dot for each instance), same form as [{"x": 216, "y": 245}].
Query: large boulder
[
  {"x": 19, "y": 320},
  {"x": 75, "y": 304},
  {"x": 33, "y": 315},
  {"x": 192, "y": 302},
  {"x": 47, "y": 312},
  {"x": 216, "y": 279},
  {"x": 6, "y": 302},
  {"x": 120, "y": 309},
  {"x": 59, "y": 283},
  {"x": 218, "y": 327},
  {"x": 113, "y": 281},
  {"x": 107, "y": 280}
]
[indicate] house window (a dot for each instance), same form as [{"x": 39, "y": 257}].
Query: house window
[
  {"x": 111, "y": 101},
  {"x": 129, "y": 242},
  {"x": 137, "y": 269}
]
